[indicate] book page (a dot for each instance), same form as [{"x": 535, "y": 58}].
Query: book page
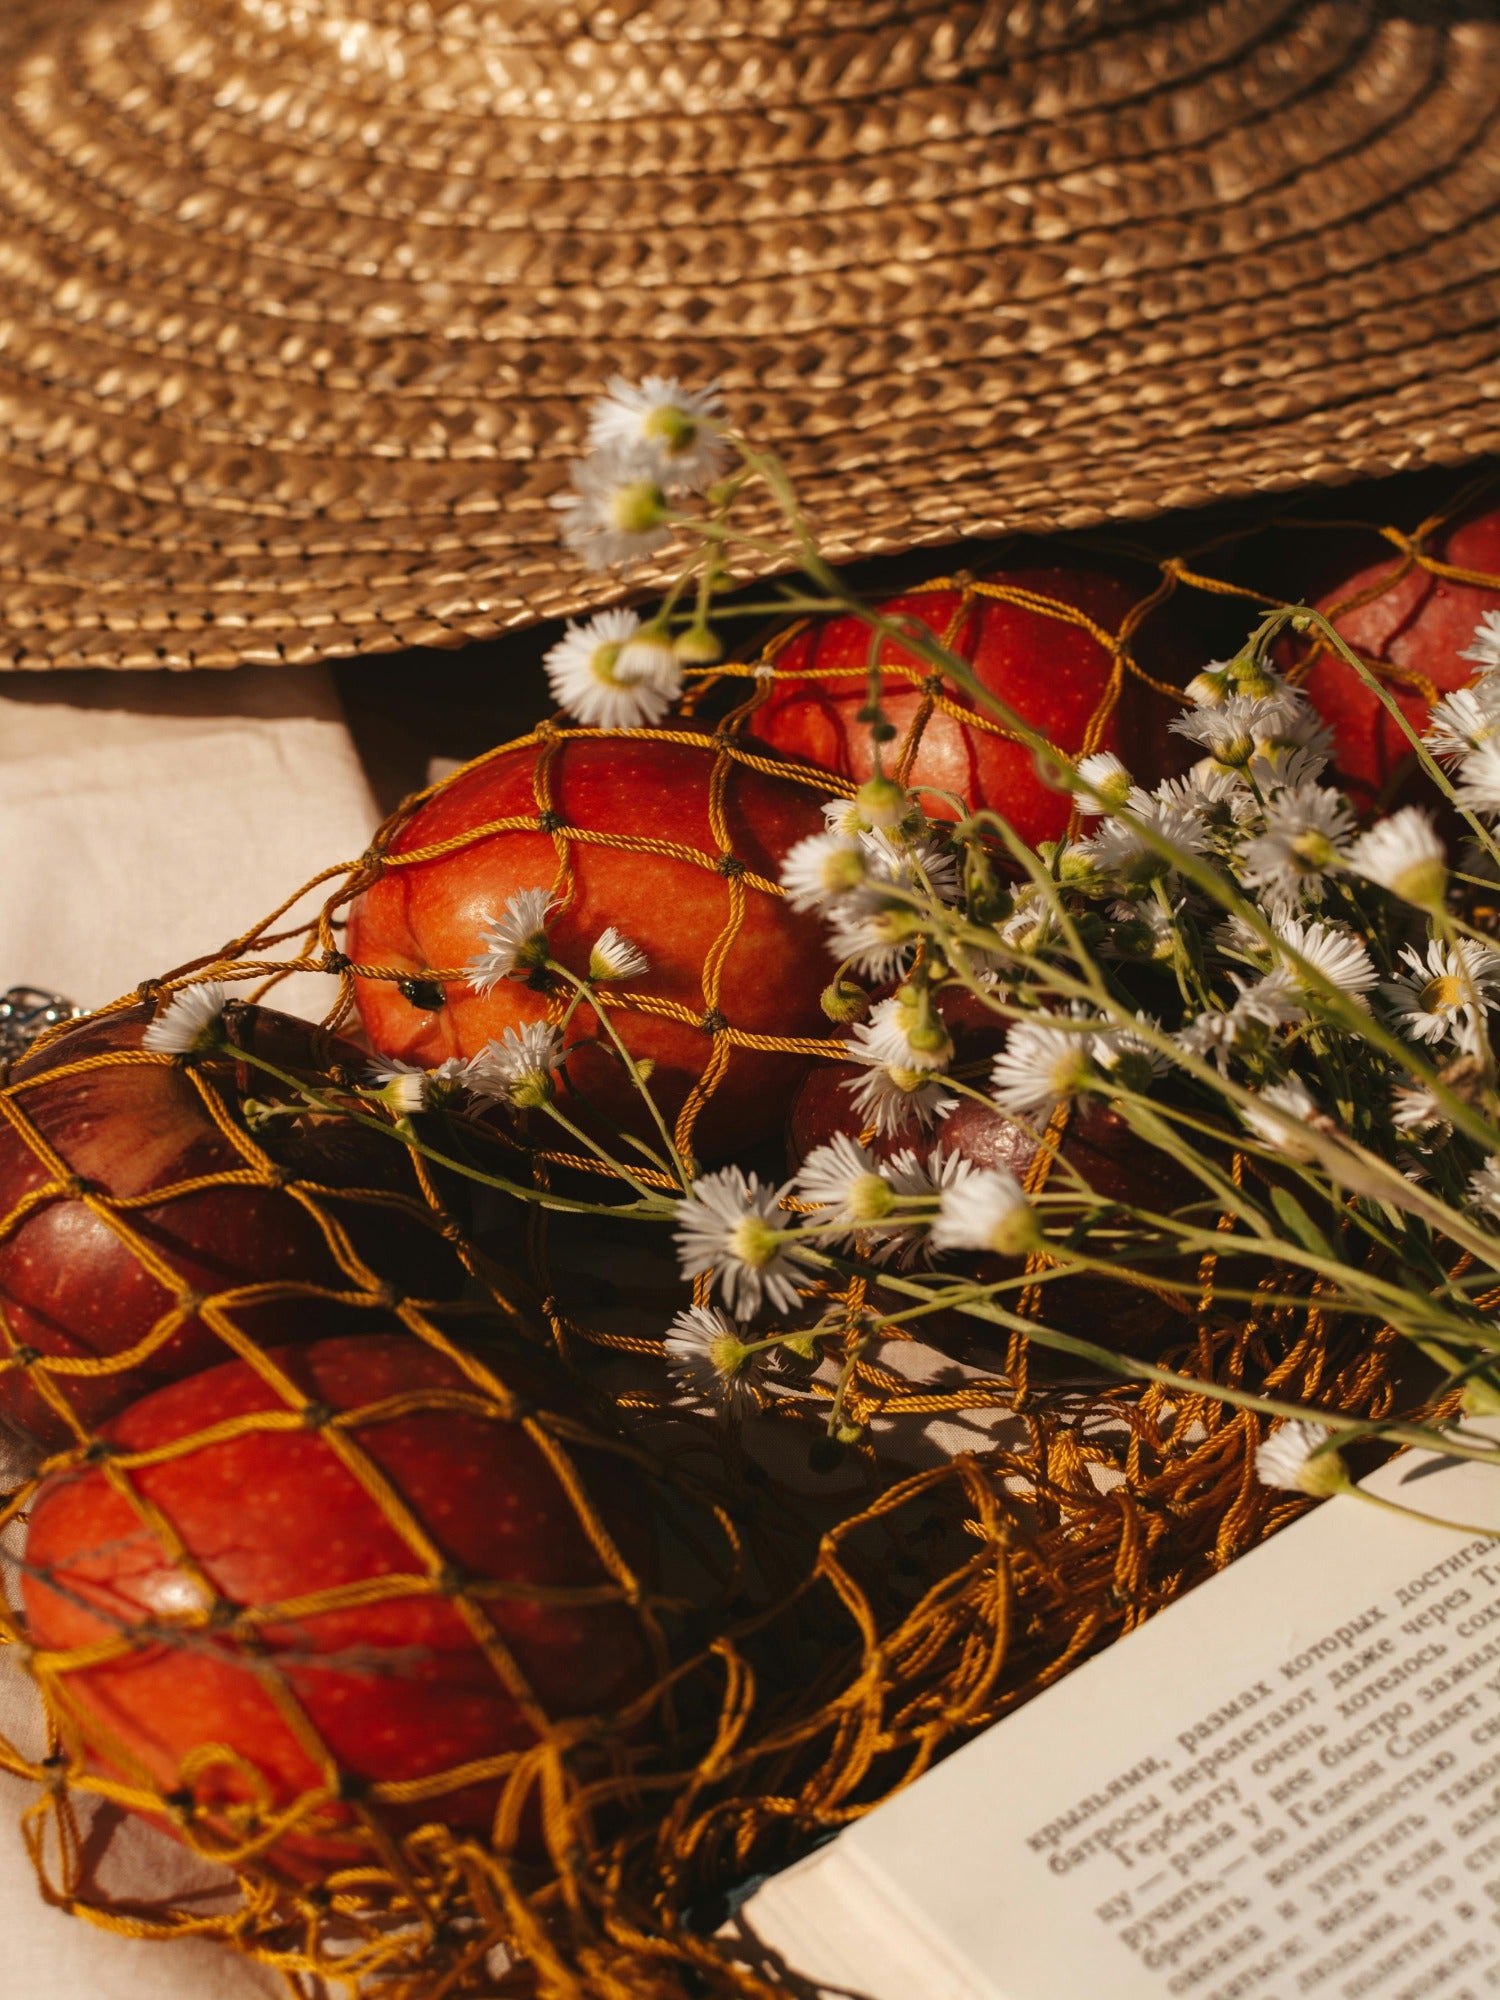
[{"x": 1285, "y": 1785}]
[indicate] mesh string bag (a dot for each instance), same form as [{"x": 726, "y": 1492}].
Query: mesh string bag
[{"x": 798, "y": 1649}]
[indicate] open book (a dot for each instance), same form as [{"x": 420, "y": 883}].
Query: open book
[{"x": 1287, "y": 1784}]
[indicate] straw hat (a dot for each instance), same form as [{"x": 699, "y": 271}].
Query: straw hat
[{"x": 303, "y": 302}]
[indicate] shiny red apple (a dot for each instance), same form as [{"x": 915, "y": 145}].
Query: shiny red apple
[
  {"x": 492, "y": 1610},
  {"x": 635, "y": 839},
  {"x": 1410, "y": 626},
  {"x": 1055, "y": 674},
  {"x": 80, "y": 1280}
]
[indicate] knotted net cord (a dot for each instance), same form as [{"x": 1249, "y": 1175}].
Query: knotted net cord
[{"x": 837, "y": 1643}]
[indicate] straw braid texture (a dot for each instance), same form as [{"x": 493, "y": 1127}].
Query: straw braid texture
[
  {"x": 932, "y": 1603},
  {"x": 302, "y": 306}
]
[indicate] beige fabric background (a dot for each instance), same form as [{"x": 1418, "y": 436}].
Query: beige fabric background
[{"x": 139, "y": 826}]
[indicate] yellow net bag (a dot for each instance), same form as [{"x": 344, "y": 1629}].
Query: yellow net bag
[{"x": 373, "y": 1554}]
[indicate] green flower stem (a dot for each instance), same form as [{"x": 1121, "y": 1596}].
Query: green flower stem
[
  {"x": 655, "y": 1208},
  {"x": 979, "y": 1306},
  {"x": 1415, "y": 1513},
  {"x": 591, "y": 1144},
  {"x": 601, "y": 1013}
]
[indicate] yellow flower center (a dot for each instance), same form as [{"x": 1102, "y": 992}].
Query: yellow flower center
[
  {"x": 753, "y": 1241},
  {"x": 1312, "y": 848},
  {"x": 1442, "y": 995}
]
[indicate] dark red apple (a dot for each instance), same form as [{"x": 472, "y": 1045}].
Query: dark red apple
[
  {"x": 81, "y": 1281},
  {"x": 1411, "y": 627},
  {"x": 1054, "y": 674},
  {"x": 194, "y": 1702},
  {"x": 631, "y": 817}
]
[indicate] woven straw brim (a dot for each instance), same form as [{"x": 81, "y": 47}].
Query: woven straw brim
[{"x": 302, "y": 306}]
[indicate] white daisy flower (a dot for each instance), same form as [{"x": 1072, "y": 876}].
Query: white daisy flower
[
  {"x": 1444, "y": 991},
  {"x": 732, "y": 1226},
  {"x": 888, "y": 1100},
  {"x": 1485, "y": 651},
  {"x": 1204, "y": 790},
  {"x": 1285, "y": 1460},
  {"x": 517, "y": 1069},
  {"x": 707, "y": 1355},
  {"x": 1241, "y": 727},
  {"x": 1289, "y": 765},
  {"x": 879, "y": 944},
  {"x": 1111, "y": 784},
  {"x": 1417, "y": 1112},
  {"x": 1463, "y": 720},
  {"x": 843, "y": 816},
  {"x": 649, "y": 655},
  {"x": 1307, "y": 833},
  {"x": 614, "y": 514},
  {"x": 1039, "y": 1068},
  {"x": 1405, "y": 855},
  {"x": 1281, "y": 1115},
  {"x": 603, "y": 675},
  {"x": 895, "y": 1037},
  {"x": 1122, "y": 852},
  {"x": 1478, "y": 786},
  {"x": 1484, "y": 1186},
  {"x": 985, "y": 1209},
  {"x": 1129, "y": 1057},
  {"x": 1259, "y": 1006},
  {"x": 671, "y": 432},
  {"x": 189, "y": 1024},
  {"x": 911, "y": 861},
  {"x": 515, "y": 943},
  {"x": 1333, "y": 950},
  {"x": 1033, "y": 923},
  {"x": 614, "y": 957},
  {"x": 846, "y": 1182},
  {"x": 1143, "y": 930},
  {"x": 822, "y": 868}
]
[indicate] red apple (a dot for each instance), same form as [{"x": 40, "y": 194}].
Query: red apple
[
  {"x": 393, "y": 1684},
  {"x": 80, "y": 1281},
  {"x": 1411, "y": 629},
  {"x": 1056, "y": 675},
  {"x": 676, "y": 885}
]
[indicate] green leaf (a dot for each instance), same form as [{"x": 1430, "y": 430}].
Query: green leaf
[{"x": 1299, "y": 1223}]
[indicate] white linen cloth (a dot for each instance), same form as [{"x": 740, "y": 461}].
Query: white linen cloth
[{"x": 143, "y": 822}]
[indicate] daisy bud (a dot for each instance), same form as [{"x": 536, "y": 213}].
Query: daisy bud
[
  {"x": 986, "y": 1209},
  {"x": 615, "y": 957},
  {"x": 191, "y": 1023},
  {"x": 1286, "y": 1461},
  {"x": 844, "y": 1001},
  {"x": 406, "y": 1094},
  {"x": 1405, "y": 855},
  {"x": 1214, "y": 685},
  {"x": 883, "y": 804},
  {"x": 1481, "y": 1398},
  {"x": 802, "y": 1346},
  {"x": 1108, "y": 780},
  {"x": 698, "y": 646}
]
